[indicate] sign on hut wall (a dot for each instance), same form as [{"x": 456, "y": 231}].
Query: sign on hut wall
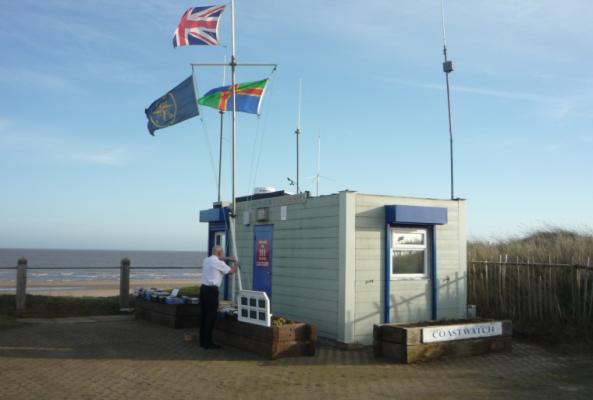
[
  {"x": 262, "y": 256},
  {"x": 446, "y": 333}
]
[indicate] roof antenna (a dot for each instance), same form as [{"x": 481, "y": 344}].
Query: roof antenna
[
  {"x": 317, "y": 177},
  {"x": 318, "y": 162},
  {"x": 298, "y": 134}
]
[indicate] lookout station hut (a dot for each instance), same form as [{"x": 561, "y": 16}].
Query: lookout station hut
[{"x": 347, "y": 261}]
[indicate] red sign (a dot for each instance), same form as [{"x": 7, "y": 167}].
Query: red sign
[{"x": 262, "y": 253}]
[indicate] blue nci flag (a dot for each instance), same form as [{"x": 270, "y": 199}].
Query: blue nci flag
[{"x": 177, "y": 105}]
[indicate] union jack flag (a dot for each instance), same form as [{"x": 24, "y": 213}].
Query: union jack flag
[{"x": 198, "y": 25}]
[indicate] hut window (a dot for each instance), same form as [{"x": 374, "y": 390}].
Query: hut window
[{"x": 409, "y": 256}]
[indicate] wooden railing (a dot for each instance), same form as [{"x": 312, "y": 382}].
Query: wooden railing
[{"x": 124, "y": 279}]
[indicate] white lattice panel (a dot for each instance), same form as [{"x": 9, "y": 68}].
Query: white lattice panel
[{"x": 254, "y": 308}]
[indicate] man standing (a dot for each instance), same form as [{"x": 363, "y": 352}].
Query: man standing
[{"x": 213, "y": 269}]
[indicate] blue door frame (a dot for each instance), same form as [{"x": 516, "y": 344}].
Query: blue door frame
[
  {"x": 262, "y": 259},
  {"x": 432, "y": 271}
]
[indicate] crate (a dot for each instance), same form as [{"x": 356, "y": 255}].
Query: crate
[{"x": 172, "y": 315}]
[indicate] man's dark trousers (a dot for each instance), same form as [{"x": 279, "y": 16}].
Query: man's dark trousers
[{"x": 209, "y": 302}]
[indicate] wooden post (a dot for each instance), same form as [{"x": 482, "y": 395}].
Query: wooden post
[
  {"x": 21, "y": 286},
  {"x": 124, "y": 284}
]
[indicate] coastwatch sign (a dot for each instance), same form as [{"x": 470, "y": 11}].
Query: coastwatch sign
[{"x": 445, "y": 333}]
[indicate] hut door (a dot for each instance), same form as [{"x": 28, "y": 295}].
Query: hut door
[{"x": 262, "y": 259}]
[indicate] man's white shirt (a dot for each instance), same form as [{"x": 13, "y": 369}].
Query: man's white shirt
[{"x": 213, "y": 269}]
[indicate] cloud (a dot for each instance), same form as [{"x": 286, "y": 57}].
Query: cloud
[
  {"x": 22, "y": 139},
  {"x": 35, "y": 79},
  {"x": 115, "y": 157},
  {"x": 586, "y": 138},
  {"x": 116, "y": 71},
  {"x": 51, "y": 147},
  {"x": 4, "y": 124},
  {"x": 554, "y": 107},
  {"x": 476, "y": 90}
]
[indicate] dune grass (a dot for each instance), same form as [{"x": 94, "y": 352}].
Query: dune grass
[
  {"x": 549, "y": 245},
  {"x": 540, "y": 281}
]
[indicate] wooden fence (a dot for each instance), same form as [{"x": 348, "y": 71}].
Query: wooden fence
[{"x": 535, "y": 296}]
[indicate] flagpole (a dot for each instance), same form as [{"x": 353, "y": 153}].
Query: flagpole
[
  {"x": 221, "y": 134},
  {"x": 234, "y": 146},
  {"x": 220, "y": 153},
  {"x": 447, "y": 69},
  {"x": 234, "y": 111}
]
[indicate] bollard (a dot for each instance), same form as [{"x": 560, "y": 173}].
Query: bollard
[
  {"x": 21, "y": 286},
  {"x": 124, "y": 284}
]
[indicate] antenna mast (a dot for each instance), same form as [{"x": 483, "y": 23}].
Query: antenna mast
[
  {"x": 447, "y": 69},
  {"x": 298, "y": 134},
  {"x": 318, "y": 163}
]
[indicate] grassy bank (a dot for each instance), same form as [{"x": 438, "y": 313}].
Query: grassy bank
[
  {"x": 67, "y": 306},
  {"x": 55, "y": 306}
]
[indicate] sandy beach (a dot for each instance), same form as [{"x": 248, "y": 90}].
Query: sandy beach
[{"x": 92, "y": 288}]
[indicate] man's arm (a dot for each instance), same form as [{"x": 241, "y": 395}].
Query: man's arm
[
  {"x": 225, "y": 269},
  {"x": 234, "y": 265}
]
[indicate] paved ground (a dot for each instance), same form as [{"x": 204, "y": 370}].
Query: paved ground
[{"x": 119, "y": 358}]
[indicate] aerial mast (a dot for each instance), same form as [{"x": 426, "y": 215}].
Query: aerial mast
[
  {"x": 298, "y": 134},
  {"x": 447, "y": 69},
  {"x": 318, "y": 167}
]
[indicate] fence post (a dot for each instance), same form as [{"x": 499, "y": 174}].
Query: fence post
[
  {"x": 21, "y": 286},
  {"x": 124, "y": 284}
]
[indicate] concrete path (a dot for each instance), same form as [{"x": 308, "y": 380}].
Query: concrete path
[{"x": 119, "y": 358}]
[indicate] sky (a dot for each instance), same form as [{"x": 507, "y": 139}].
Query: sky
[{"x": 78, "y": 169}]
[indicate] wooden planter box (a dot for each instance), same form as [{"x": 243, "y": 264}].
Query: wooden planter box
[
  {"x": 290, "y": 340},
  {"x": 172, "y": 315},
  {"x": 404, "y": 342}
]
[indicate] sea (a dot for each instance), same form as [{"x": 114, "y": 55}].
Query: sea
[{"x": 46, "y": 265}]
